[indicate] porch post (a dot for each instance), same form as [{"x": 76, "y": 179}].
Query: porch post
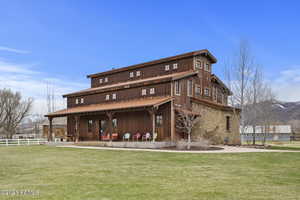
[
  {"x": 77, "y": 126},
  {"x": 110, "y": 128},
  {"x": 152, "y": 112},
  {"x": 172, "y": 122},
  {"x": 50, "y": 130}
]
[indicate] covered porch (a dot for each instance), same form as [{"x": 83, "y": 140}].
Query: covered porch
[{"x": 147, "y": 119}]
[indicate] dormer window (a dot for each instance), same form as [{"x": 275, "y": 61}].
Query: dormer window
[
  {"x": 100, "y": 80},
  {"x": 107, "y": 97},
  {"x": 114, "y": 96},
  {"x": 198, "y": 64},
  {"x": 82, "y": 100},
  {"x": 207, "y": 67},
  {"x": 105, "y": 79},
  {"x": 167, "y": 67},
  {"x": 131, "y": 74},
  {"x": 175, "y": 66},
  {"x": 152, "y": 91},
  {"x": 144, "y": 92},
  {"x": 138, "y": 73}
]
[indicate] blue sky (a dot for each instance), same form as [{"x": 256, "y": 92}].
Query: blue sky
[{"x": 60, "y": 42}]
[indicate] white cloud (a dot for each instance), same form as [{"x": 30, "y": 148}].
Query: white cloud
[
  {"x": 287, "y": 84},
  {"x": 34, "y": 84},
  {"x": 2, "y": 48}
]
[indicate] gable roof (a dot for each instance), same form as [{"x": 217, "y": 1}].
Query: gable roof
[
  {"x": 162, "y": 60},
  {"x": 135, "y": 103},
  {"x": 127, "y": 84},
  {"x": 214, "y": 77}
]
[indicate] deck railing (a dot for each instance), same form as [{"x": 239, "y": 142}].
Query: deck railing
[{"x": 9, "y": 142}]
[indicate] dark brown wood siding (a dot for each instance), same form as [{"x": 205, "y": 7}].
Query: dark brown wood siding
[{"x": 146, "y": 72}]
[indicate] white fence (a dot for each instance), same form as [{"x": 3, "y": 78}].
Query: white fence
[{"x": 9, "y": 142}]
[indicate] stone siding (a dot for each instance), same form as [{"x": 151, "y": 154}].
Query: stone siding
[{"x": 213, "y": 122}]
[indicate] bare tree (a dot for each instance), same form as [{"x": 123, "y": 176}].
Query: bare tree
[
  {"x": 13, "y": 111},
  {"x": 186, "y": 122}
]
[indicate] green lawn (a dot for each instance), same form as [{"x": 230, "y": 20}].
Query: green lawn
[{"x": 64, "y": 173}]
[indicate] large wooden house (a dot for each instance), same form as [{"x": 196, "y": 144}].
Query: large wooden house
[{"x": 144, "y": 98}]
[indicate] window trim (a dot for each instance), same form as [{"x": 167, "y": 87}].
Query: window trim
[
  {"x": 175, "y": 66},
  {"x": 206, "y": 89},
  {"x": 106, "y": 79},
  {"x": 177, "y": 85},
  {"x": 107, "y": 97},
  {"x": 81, "y": 100},
  {"x": 200, "y": 89},
  {"x": 76, "y": 101},
  {"x": 189, "y": 88},
  {"x": 144, "y": 92},
  {"x": 167, "y": 67},
  {"x": 131, "y": 74},
  {"x": 114, "y": 96},
  {"x": 152, "y": 91},
  {"x": 138, "y": 73}
]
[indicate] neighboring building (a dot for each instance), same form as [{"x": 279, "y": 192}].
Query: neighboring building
[
  {"x": 147, "y": 97},
  {"x": 271, "y": 133},
  {"x": 59, "y": 126}
]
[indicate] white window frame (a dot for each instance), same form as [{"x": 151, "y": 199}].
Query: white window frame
[
  {"x": 175, "y": 66},
  {"x": 177, "y": 85},
  {"x": 144, "y": 92},
  {"x": 76, "y": 101},
  {"x": 167, "y": 67},
  {"x": 107, "y": 97},
  {"x": 152, "y": 91},
  {"x": 206, "y": 67},
  {"x": 189, "y": 89},
  {"x": 200, "y": 90},
  {"x": 138, "y": 73},
  {"x": 100, "y": 80},
  {"x": 200, "y": 64},
  {"x": 82, "y": 100},
  {"x": 208, "y": 93},
  {"x": 114, "y": 96},
  {"x": 105, "y": 79},
  {"x": 131, "y": 74}
]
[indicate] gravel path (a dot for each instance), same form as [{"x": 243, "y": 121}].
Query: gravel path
[{"x": 226, "y": 149}]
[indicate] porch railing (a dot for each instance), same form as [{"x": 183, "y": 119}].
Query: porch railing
[{"x": 9, "y": 142}]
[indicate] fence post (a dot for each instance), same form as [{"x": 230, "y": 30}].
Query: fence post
[
  {"x": 19, "y": 141},
  {"x": 6, "y": 142}
]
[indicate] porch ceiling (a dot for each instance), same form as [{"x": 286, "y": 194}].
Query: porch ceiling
[{"x": 112, "y": 106}]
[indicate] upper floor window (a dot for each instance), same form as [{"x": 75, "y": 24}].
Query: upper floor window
[
  {"x": 82, "y": 100},
  {"x": 198, "y": 64},
  {"x": 206, "y": 91},
  {"x": 107, "y": 97},
  {"x": 114, "y": 96},
  {"x": 100, "y": 80},
  {"x": 190, "y": 88},
  {"x": 144, "y": 92},
  {"x": 198, "y": 90},
  {"x": 207, "y": 67},
  {"x": 167, "y": 67},
  {"x": 105, "y": 79},
  {"x": 131, "y": 74},
  {"x": 177, "y": 88},
  {"x": 175, "y": 66},
  {"x": 77, "y": 101},
  {"x": 228, "y": 123},
  {"x": 152, "y": 91},
  {"x": 138, "y": 73}
]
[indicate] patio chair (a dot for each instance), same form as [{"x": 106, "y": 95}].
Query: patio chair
[
  {"x": 146, "y": 137},
  {"x": 126, "y": 136},
  {"x": 136, "y": 136}
]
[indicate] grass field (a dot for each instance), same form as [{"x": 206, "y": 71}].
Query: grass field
[{"x": 63, "y": 173}]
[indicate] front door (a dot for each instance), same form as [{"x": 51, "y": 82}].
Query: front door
[{"x": 159, "y": 126}]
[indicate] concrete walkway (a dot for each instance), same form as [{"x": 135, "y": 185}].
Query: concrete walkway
[{"x": 226, "y": 149}]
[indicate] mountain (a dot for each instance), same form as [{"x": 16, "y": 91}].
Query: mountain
[{"x": 287, "y": 111}]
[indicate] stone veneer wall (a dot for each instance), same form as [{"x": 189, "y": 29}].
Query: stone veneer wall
[{"x": 213, "y": 120}]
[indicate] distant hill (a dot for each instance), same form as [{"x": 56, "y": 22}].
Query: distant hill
[{"x": 287, "y": 111}]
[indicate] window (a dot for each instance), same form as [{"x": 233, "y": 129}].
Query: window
[
  {"x": 159, "y": 121},
  {"x": 177, "y": 88},
  {"x": 167, "y": 67},
  {"x": 106, "y": 80},
  {"x": 215, "y": 93},
  {"x": 114, "y": 123},
  {"x": 175, "y": 66},
  {"x": 198, "y": 64},
  {"x": 131, "y": 74},
  {"x": 82, "y": 100},
  {"x": 77, "y": 101},
  {"x": 144, "y": 92},
  {"x": 152, "y": 90},
  {"x": 100, "y": 80},
  {"x": 207, "y": 67},
  {"x": 114, "y": 96},
  {"x": 138, "y": 73},
  {"x": 90, "y": 125},
  {"x": 190, "y": 88},
  {"x": 228, "y": 123},
  {"x": 107, "y": 97},
  {"x": 206, "y": 92},
  {"x": 198, "y": 90}
]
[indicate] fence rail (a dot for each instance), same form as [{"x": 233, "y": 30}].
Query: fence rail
[{"x": 9, "y": 142}]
